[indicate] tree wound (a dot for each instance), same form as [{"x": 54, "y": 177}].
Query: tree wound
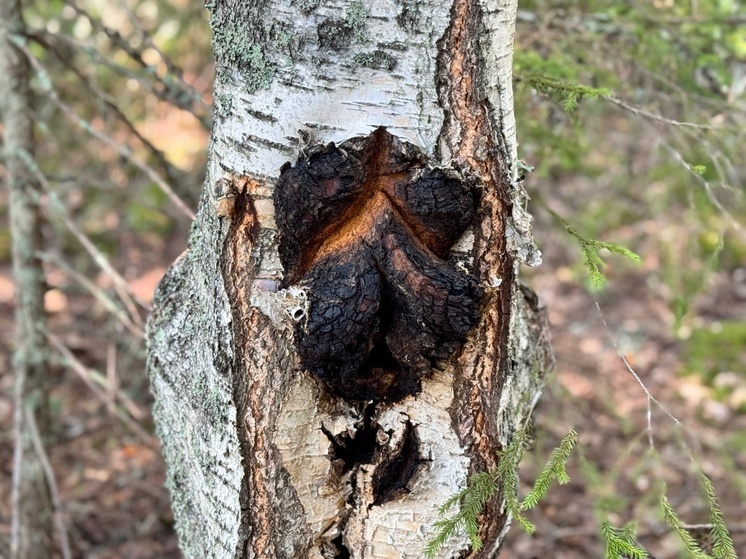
[{"x": 366, "y": 228}]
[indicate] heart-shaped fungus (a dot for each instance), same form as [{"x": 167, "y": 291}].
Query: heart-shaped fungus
[{"x": 366, "y": 228}]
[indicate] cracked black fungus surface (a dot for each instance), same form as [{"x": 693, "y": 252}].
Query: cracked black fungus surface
[{"x": 366, "y": 228}]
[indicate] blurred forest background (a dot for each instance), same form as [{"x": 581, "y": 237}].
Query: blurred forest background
[{"x": 632, "y": 119}]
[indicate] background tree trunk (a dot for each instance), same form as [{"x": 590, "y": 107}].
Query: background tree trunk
[
  {"x": 31, "y": 532},
  {"x": 262, "y": 461}
]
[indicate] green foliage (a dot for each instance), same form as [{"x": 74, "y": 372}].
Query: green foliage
[
  {"x": 713, "y": 349},
  {"x": 471, "y": 500},
  {"x": 590, "y": 248},
  {"x": 722, "y": 544},
  {"x": 554, "y": 469},
  {"x": 507, "y": 475},
  {"x": 621, "y": 543},
  {"x": 570, "y": 94},
  {"x": 672, "y": 519},
  {"x": 482, "y": 486},
  {"x": 699, "y": 169},
  {"x": 671, "y": 64}
]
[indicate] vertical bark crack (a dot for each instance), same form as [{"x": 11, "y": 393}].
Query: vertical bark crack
[{"x": 392, "y": 476}]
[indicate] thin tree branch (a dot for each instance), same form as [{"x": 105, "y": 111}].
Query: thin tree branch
[
  {"x": 120, "y": 285},
  {"x": 172, "y": 93},
  {"x": 95, "y": 381},
  {"x": 16, "y": 524},
  {"x": 59, "y": 516},
  {"x": 97, "y": 293},
  {"x": 123, "y": 150},
  {"x": 658, "y": 118},
  {"x": 171, "y": 170}
]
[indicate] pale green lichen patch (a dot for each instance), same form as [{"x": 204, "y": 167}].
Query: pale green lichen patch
[
  {"x": 262, "y": 70},
  {"x": 234, "y": 48},
  {"x": 377, "y": 60},
  {"x": 222, "y": 105},
  {"x": 357, "y": 16},
  {"x": 340, "y": 34}
]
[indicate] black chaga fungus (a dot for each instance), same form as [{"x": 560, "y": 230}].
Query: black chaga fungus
[{"x": 366, "y": 228}]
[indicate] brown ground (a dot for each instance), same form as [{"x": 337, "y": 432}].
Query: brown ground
[{"x": 111, "y": 480}]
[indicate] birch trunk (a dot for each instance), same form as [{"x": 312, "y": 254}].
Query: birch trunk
[
  {"x": 262, "y": 460},
  {"x": 31, "y": 531}
]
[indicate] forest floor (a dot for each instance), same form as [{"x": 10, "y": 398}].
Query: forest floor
[{"x": 111, "y": 480}]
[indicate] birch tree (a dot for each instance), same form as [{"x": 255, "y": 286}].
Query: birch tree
[
  {"x": 31, "y": 531},
  {"x": 281, "y": 447}
]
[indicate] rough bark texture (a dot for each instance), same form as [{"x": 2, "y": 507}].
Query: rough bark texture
[
  {"x": 264, "y": 460},
  {"x": 31, "y": 533}
]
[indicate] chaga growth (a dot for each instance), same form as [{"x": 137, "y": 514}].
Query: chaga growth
[{"x": 366, "y": 228}]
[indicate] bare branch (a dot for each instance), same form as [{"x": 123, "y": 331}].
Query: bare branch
[
  {"x": 95, "y": 381},
  {"x": 172, "y": 92},
  {"x": 123, "y": 150},
  {"x": 171, "y": 170},
  {"x": 97, "y": 293},
  {"x": 658, "y": 118},
  {"x": 120, "y": 285},
  {"x": 41, "y": 454}
]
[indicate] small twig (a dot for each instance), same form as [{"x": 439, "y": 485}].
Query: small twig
[
  {"x": 171, "y": 170},
  {"x": 658, "y": 118},
  {"x": 705, "y": 184},
  {"x": 120, "y": 285},
  {"x": 93, "y": 380},
  {"x": 123, "y": 150},
  {"x": 136, "y": 54},
  {"x": 650, "y": 398},
  {"x": 700, "y": 20},
  {"x": 59, "y": 516},
  {"x": 172, "y": 69},
  {"x": 111, "y": 375},
  {"x": 97, "y": 293},
  {"x": 16, "y": 523}
]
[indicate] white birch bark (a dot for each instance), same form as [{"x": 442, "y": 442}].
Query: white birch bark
[{"x": 246, "y": 433}]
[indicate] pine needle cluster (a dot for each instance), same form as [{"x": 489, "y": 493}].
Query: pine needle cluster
[
  {"x": 621, "y": 543},
  {"x": 483, "y": 486},
  {"x": 570, "y": 94},
  {"x": 590, "y": 248}
]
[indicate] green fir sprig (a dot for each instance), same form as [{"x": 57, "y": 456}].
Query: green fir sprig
[
  {"x": 554, "y": 469},
  {"x": 590, "y": 248},
  {"x": 570, "y": 94},
  {"x": 482, "y": 486},
  {"x": 673, "y": 520},
  {"x": 722, "y": 544},
  {"x": 621, "y": 543},
  {"x": 471, "y": 500}
]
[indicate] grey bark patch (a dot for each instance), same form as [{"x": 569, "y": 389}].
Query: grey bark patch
[
  {"x": 306, "y": 6},
  {"x": 409, "y": 18}
]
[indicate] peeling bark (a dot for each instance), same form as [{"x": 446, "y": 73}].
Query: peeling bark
[{"x": 264, "y": 460}]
